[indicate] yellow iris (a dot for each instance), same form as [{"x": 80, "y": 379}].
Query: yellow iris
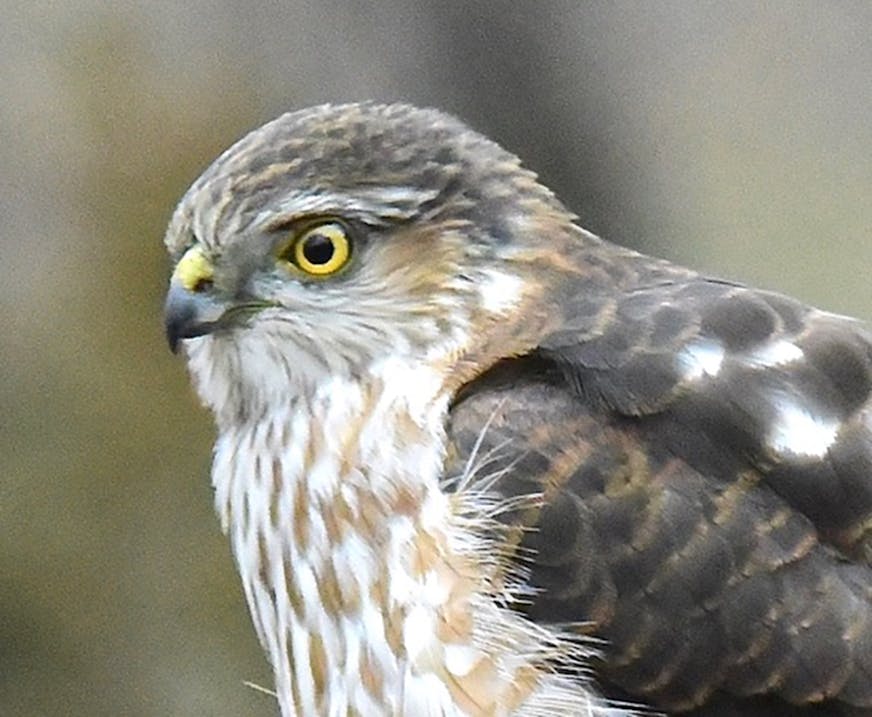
[{"x": 320, "y": 250}]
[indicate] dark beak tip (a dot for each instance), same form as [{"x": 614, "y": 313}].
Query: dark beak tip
[
  {"x": 173, "y": 340},
  {"x": 179, "y": 328},
  {"x": 178, "y": 320},
  {"x": 180, "y": 316},
  {"x": 184, "y": 325},
  {"x": 188, "y": 315}
]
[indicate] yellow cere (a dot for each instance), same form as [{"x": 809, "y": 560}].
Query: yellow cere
[{"x": 193, "y": 269}]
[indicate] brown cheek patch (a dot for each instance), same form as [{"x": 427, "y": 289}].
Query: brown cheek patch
[{"x": 418, "y": 261}]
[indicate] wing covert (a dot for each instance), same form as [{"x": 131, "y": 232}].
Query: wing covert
[
  {"x": 765, "y": 377},
  {"x": 716, "y": 562}
]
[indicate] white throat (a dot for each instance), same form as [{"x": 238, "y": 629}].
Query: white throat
[{"x": 365, "y": 585}]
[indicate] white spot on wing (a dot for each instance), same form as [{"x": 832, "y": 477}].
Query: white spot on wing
[
  {"x": 774, "y": 353},
  {"x": 797, "y": 431},
  {"x": 866, "y": 417},
  {"x": 701, "y": 357}
]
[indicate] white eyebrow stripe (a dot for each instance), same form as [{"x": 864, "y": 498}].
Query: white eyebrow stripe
[
  {"x": 370, "y": 204},
  {"x": 797, "y": 431},
  {"x": 396, "y": 195},
  {"x": 701, "y": 357}
]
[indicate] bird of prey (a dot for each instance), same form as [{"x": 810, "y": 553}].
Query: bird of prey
[{"x": 474, "y": 460}]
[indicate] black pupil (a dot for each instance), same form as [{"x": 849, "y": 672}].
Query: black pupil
[{"x": 318, "y": 249}]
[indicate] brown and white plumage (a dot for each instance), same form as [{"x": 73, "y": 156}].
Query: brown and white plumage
[{"x": 682, "y": 464}]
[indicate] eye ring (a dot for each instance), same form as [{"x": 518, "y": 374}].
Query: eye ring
[{"x": 320, "y": 250}]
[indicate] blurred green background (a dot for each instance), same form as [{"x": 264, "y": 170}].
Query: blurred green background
[{"x": 734, "y": 137}]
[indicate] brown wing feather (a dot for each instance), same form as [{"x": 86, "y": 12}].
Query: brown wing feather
[
  {"x": 713, "y": 567},
  {"x": 781, "y": 367}
]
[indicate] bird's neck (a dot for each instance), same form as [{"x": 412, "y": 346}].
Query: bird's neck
[{"x": 370, "y": 590}]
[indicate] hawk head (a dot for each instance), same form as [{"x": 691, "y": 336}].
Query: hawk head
[
  {"x": 339, "y": 237},
  {"x": 339, "y": 273}
]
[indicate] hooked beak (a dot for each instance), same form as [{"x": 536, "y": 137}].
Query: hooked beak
[
  {"x": 193, "y": 306},
  {"x": 188, "y": 314}
]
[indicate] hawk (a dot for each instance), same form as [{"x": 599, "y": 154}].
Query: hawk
[{"x": 474, "y": 460}]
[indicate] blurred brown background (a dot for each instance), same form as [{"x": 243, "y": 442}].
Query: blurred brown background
[{"x": 735, "y": 137}]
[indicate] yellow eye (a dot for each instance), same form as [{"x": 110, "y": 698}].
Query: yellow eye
[{"x": 320, "y": 250}]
